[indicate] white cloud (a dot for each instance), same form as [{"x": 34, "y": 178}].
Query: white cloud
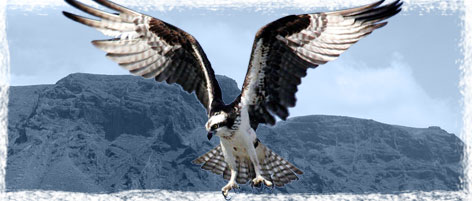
[{"x": 389, "y": 94}]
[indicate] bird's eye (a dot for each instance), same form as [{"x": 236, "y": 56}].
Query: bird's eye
[{"x": 214, "y": 127}]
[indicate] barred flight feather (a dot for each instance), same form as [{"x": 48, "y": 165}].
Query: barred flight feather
[
  {"x": 121, "y": 46},
  {"x": 152, "y": 48},
  {"x": 293, "y": 44}
]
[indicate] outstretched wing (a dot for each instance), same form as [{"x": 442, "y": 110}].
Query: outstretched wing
[
  {"x": 152, "y": 48},
  {"x": 284, "y": 49}
]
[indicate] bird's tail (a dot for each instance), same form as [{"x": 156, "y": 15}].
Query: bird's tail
[
  {"x": 273, "y": 167},
  {"x": 214, "y": 161}
]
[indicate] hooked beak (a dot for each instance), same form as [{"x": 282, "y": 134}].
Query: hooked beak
[{"x": 210, "y": 134}]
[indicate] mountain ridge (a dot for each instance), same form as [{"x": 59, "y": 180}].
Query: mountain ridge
[{"x": 113, "y": 133}]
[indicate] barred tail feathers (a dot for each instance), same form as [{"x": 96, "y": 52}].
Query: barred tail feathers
[
  {"x": 273, "y": 167},
  {"x": 214, "y": 161}
]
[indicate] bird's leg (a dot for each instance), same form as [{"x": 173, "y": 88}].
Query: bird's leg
[
  {"x": 259, "y": 179},
  {"x": 257, "y": 168},
  {"x": 231, "y": 184}
]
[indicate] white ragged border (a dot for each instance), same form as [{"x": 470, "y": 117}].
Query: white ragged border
[
  {"x": 257, "y": 6},
  {"x": 247, "y": 5},
  {"x": 466, "y": 91},
  {"x": 4, "y": 85},
  {"x": 205, "y": 196}
]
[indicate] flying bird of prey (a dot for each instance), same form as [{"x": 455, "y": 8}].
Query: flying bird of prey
[{"x": 282, "y": 52}]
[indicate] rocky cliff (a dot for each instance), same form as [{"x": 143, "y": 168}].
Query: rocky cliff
[{"x": 102, "y": 133}]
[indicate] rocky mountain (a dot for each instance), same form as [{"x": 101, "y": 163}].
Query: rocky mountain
[{"x": 103, "y": 133}]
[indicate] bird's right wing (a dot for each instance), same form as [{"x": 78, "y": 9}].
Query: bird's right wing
[{"x": 152, "y": 48}]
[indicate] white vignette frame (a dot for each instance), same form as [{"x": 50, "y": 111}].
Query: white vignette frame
[{"x": 465, "y": 86}]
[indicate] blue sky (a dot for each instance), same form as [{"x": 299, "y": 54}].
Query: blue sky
[{"x": 406, "y": 73}]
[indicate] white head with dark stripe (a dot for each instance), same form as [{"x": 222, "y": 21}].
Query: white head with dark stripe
[{"x": 218, "y": 122}]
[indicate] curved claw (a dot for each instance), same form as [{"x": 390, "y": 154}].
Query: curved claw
[
  {"x": 225, "y": 195},
  {"x": 254, "y": 184},
  {"x": 258, "y": 185},
  {"x": 272, "y": 181},
  {"x": 225, "y": 190}
]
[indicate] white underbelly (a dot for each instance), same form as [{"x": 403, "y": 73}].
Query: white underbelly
[{"x": 238, "y": 145}]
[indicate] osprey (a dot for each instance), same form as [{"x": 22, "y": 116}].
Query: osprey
[{"x": 283, "y": 50}]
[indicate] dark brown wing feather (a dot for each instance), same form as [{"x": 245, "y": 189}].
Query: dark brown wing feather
[
  {"x": 152, "y": 48},
  {"x": 284, "y": 49}
]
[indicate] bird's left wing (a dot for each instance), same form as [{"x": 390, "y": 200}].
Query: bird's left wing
[
  {"x": 285, "y": 48},
  {"x": 152, "y": 48}
]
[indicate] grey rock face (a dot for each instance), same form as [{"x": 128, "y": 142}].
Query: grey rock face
[
  {"x": 101, "y": 133},
  {"x": 343, "y": 154}
]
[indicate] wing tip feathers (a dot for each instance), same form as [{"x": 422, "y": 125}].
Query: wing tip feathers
[{"x": 71, "y": 16}]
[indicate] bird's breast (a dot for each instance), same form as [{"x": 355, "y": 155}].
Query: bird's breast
[{"x": 229, "y": 135}]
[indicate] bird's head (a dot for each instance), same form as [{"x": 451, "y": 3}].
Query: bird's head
[{"x": 217, "y": 122}]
